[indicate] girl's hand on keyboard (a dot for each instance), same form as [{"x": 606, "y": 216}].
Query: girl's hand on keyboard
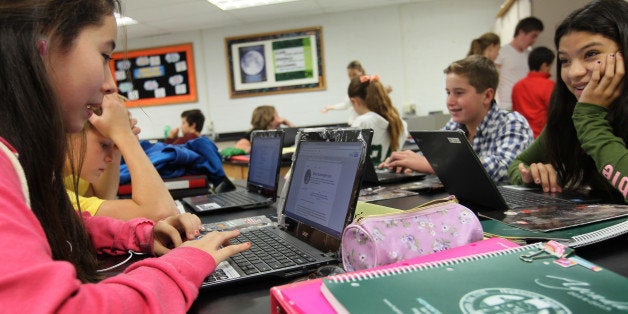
[
  {"x": 170, "y": 232},
  {"x": 540, "y": 174},
  {"x": 216, "y": 243}
]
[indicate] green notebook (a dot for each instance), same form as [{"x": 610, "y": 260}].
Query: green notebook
[
  {"x": 496, "y": 282},
  {"x": 573, "y": 237}
]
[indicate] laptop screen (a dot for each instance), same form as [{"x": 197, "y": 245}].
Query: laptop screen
[
  {"x": 322, "y": 184},
  {"x": 265, "y": 158}
]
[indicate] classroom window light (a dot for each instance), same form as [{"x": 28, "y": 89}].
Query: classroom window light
[
  {"x": 241, "y": 4},
  {"x": 122, "y": 20}
]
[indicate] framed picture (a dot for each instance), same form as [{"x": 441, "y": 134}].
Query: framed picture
[
  {"x": 156, "y": 76},
  {"x": 277, "y": 62}
]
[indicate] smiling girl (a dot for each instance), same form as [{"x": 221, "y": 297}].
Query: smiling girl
[{"x": 584, "y": 142}]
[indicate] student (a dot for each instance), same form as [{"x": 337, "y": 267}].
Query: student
[
  {"x": 531, "y": 95},
  {"x": 98, "y": 156},
  {"x": 486, "y": 45},
  {"x": 376, "y": 111},
  {"x": 584, "y": 141},
  {"x": 191, "y": 127},
  {"x": 354, "y": 69},
  {"x": 54, "y": 68},
  {"x": 496, "y": 135},
  {"x": 513, "y": 57},
  {"x": 264, "y": 117}
]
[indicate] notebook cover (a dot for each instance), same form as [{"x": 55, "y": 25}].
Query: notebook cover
[
  {"x": 306, "y": 296},
  {"x": 574, "y": 237},
  {"x": 487, "y": 283}
]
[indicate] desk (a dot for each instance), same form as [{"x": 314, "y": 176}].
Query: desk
[{"x": 254, "y": 297}]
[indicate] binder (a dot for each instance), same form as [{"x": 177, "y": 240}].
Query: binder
[
  {"x": 573, "y": 237},
  {"x": 492, "y": 282},
  {"x": 185, "y": 182},
  {"x": 306, "y": 296}
]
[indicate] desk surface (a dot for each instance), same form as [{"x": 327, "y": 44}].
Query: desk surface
[{"x": 254, "y": 297}]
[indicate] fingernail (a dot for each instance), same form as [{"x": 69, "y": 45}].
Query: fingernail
[
  {"x": 197, "y": 232},
  {"x": 537, "y": 181},
  {"x": 612, "y": 55}
]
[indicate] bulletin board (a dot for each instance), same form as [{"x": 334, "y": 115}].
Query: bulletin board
[
  {"x": 156, "y": 76},
  {"x": 277, "y": 62}
]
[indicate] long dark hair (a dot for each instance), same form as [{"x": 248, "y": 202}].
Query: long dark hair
[
  {"x": 608, "y": 18},
  {"x": 31, "y": 119},
  {"x": 372, "y": 92}
]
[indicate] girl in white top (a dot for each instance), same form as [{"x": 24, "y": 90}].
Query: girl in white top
[{"x": 375, "y": 111}]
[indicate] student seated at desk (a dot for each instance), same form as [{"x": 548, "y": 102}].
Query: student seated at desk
[
  {"x": 97, "y": 151},
  {"x": 191, "y": 126},
  {"x": 57, "y": 63},
  {"x": 584, "y": 141},
  {"x": 263, "y": 118},
  {"x": 496, "y": 135},
  {"x": 376, "y": 111}
]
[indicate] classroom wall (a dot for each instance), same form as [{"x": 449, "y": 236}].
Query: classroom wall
[{"x": 408, "y": 45}]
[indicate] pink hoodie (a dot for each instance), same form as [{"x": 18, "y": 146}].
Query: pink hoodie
[{"x": 32, "y": 282}]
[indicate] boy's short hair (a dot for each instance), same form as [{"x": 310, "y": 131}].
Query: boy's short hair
[
  {"x": 529, "y": 24},
  {"x": 480, "y": 71},
  {"x": 194, "y": 116},
  {"x": 538, "y": 56}
]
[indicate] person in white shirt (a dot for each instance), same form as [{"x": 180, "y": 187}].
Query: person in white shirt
[
  {"x": 376, "y": 111},
  {"x": 354, "y": 69},
  {"x": 512, "y": 60}
]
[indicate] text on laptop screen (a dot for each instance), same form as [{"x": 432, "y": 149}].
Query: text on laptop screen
[
  {"x": 265, "y": 152},
  {"x": 322, "y": 184}
]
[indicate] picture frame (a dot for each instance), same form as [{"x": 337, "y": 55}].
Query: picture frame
[
  {"x": 155, "y": 76},
  {"x": 277, "y": 62}
]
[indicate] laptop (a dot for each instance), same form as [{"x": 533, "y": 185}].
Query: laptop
[
  {"x": 290, "y": 136},
  {"x": 373, "y": 176},
  {"x": 262, "y": 182},
  {"x": 460, "y": 170},
  {"x": 320, "y": 200}
]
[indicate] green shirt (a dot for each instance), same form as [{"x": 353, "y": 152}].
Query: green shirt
[{"x": 596, "y": 136}]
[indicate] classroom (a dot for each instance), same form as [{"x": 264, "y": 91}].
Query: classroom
[{"x": 407, "y": 43}]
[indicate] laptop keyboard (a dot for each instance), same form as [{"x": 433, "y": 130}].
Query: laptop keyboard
[
  {"x": 235, "y": 198},
  {"x": 267, "y": 252},
  {"x": 520, "y": 199}
]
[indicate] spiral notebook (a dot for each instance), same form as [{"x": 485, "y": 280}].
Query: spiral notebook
[{"x": 497, "y": 282}]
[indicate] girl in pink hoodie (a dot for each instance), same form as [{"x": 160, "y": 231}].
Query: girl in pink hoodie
[{"x": 54, "y": 71}]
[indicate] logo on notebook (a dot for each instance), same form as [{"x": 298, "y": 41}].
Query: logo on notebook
[
  {"x": 454, "y": 140},
  {"x": 508, "y": 300}
]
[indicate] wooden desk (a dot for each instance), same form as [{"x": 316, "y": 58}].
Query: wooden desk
[
  {"x": 240, "y": 171},
  {"x": 254, "y": 297}
]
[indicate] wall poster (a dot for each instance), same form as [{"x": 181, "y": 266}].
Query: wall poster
[
  {"x": 277, "y": 62},
  {"x": 155, "y": 76}
]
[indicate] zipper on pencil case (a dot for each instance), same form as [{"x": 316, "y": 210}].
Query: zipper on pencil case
[{"x": 427, "y": 205}]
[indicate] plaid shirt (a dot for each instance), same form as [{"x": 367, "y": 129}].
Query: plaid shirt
[{"x": 500, "y": 137}]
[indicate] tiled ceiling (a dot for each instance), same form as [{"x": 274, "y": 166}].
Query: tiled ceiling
[{"x": 157, "y": 17}]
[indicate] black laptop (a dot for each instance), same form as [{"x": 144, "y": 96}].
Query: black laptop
[
  {"x": 262, "y": 182},
  {"x": 289, "y": 138},
  {"x": 460, "y": 170},
  {"x": 374, "y": 176},
  {"x": 320, "y": 200}
]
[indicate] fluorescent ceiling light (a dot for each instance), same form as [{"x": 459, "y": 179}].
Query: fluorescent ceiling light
[
  {"x": 124, "y": 20},
  {"x": 241, "y": 4}
]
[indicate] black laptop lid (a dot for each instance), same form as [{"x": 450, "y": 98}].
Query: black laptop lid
[
  {"x": 459, "y": 169},
  {"x": 325, "y": 178},
  {"x": 289, "y": 138},
  {"x": 264, "y": 164}
]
